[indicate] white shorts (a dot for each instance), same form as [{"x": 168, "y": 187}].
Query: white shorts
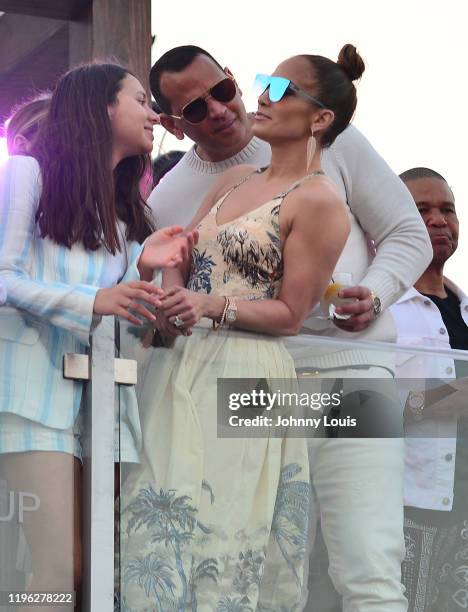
[{"x": 20, "y": 435}]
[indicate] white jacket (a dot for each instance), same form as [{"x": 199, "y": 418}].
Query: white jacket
[{"x": 430, "y": 444}]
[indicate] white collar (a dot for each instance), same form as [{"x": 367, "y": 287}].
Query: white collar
[{"x": 413, "y": 293}]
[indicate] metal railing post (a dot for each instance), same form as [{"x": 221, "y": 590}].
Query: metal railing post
[{"x": 98, "y": 473}]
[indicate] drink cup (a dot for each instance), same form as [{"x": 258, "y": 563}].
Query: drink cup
[{"x": 331, "y": 301}]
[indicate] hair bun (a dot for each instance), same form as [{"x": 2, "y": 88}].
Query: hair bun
[{"x": 351, "y": 62}]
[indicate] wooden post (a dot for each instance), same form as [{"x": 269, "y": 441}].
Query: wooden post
[
  {"x": 123, "y": 28},
  {"x": 40, "y": 39}
]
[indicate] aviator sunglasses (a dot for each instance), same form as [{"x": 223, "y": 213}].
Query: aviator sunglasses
[
  {"x": 197, "y": 110},
  {"x": 279, "y": 86}
]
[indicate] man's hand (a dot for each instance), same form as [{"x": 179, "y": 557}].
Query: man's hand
[{"x": 361, "y": 311}]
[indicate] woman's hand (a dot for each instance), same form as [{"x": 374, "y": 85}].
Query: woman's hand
[
  {"x": 186, "y": 305},
  {"x": 166, "y": 330},
  {"x": 119, "y": 299},
  {"x": 166, "y": 248}
]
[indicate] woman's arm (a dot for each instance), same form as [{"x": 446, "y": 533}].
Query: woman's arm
[
  {"x": 68, "y": 306},
  {"x": 317, "y": 227}
]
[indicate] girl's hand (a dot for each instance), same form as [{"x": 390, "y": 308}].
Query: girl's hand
[
  {"x": 119, "y": 299},
  {"x": 167, "y": 248},
  {"x": 184, "y": 304}
]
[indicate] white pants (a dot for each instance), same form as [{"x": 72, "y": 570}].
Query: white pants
[{"x": 357, "y": 492}]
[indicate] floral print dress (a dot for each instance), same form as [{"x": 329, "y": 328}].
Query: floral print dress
[{"x": 216, "y": 524}]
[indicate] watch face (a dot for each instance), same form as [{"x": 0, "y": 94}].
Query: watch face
[
  {"x": 416, "y": 400},
  {"x": 377, "y": 305},
  {"x": 231, "y": 315}
]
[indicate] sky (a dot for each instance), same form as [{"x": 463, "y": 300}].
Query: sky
[{"x": 412, "y": 98}]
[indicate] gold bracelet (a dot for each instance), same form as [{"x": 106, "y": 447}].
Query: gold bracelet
[{"x": 217, "y": 326}]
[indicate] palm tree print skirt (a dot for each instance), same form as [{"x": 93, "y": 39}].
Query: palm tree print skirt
[{"x": 212, "y": 524}]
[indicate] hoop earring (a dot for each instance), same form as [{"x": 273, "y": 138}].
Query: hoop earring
[{"x": 311, "y": 146}]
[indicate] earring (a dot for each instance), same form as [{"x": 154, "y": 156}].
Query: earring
[{"x": 311, "y": 146}]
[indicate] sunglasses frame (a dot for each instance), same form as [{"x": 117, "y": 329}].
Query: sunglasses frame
[
  {"x": 206, "y": 96},
  {"x": 289, "y": 86}
]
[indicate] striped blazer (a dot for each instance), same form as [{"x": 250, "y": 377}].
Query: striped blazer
[{"x": 50, "y": 292}]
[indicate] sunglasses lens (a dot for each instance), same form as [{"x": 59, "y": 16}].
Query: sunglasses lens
[
  {"x": 261, "y": 83},
  {"x": 196, "y": 111},
  {"x": 278, "y": 85},
  {"x": 224, "y": 91}
]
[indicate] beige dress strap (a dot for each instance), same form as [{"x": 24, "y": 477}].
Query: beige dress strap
[{"x": 299, "y": 182}]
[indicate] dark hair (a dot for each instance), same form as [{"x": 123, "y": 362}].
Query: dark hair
[
  {"x": 334, "y": 87},
  {"x": 174, "y": 60},
  {"x": 420, "y": 173},
  {"x": 26, "y": 118},
  {"x": 163, "y": 163},
  {"x": 82, "y": 198}
]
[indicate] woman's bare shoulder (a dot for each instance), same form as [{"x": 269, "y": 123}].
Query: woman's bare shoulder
[
  {"x": 316, "y": 209},
  {"x": 318, "y": 192}
]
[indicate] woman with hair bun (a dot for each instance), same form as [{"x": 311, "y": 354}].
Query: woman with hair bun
[
  {"x": 228, "y": 516},
  {"x": 387, "y": 250}
]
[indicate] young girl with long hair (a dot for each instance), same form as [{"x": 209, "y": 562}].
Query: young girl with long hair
[{"x": 72, "y": 221}]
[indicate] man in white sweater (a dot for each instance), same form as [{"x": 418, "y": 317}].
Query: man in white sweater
[{"x": 387, "y": 250}]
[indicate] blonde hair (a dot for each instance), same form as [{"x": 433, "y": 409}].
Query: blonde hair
[{"x": 26, "y": 119}]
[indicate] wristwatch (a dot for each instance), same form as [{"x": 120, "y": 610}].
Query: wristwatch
[
  {"x": 415, "y": 403},
  {"x": 377, "y": 304},
  {"x": 231, "y": 311},
  {"x": 416, "y": 400}
]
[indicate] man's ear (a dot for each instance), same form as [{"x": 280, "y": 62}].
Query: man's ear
[
  {"x": 229, "y": 73},
  {"x": 169, "y": 124}
]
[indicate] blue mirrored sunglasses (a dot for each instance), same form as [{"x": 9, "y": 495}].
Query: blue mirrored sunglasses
[{"x": 279, "y": 86}]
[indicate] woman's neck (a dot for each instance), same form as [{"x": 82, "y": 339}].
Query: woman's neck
[{"x": 290, "y": 161}]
